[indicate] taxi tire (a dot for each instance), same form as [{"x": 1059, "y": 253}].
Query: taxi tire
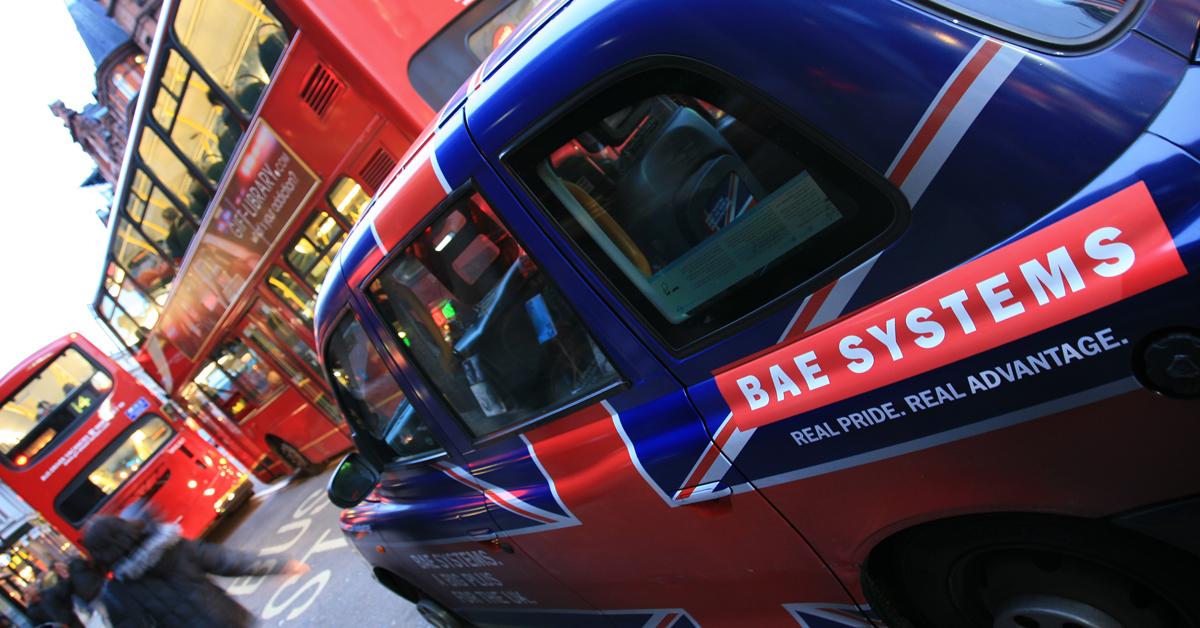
[
  {"x": 966, "y": 572},
  {"x": 437, "y": 615},
  {"x": 295, "y": 459}
]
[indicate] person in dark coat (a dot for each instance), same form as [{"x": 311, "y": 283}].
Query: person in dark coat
[
  {"x": 161, "y": 579},
  {"x": 55, "y": 605}
]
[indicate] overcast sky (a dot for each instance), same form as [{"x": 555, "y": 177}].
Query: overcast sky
[{"x": 51, "y": 242}]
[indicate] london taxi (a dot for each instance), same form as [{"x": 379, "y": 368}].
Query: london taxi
[{"x": 778, "y": 313}]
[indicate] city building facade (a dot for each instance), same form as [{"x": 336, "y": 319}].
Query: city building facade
[{"x": 117, "y": 34}]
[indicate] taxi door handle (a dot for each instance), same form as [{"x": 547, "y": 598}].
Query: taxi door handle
[
  {"x": 484, "y": 535},
  {"x": 489, "y": 536},
  {"x": 704, "y": 493}
]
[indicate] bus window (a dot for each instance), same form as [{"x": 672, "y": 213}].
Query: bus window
[
  {"x": 348, "y": 198},
  {"x": 300, "y": 378},
  {"x": 371, "y": 398},
  {"x": 196, "y": 121},
  {"x": 172, "y": 173},
  {"x": 238, "y": 42},
  {"x": 254, "y": 376},
  {"x": 288, "y": 289},
  {"x": 137, "y": 313},
  {"x": 312, "y": 252},
  {"x": 142, "y": 261},
  {"x": 465, "y": 300},
  {"x": 68, "y": 388},
  {"x": 237, "y": 380},
  {"x": 130, "y": 333},
  {"x": 161, "y": 221},
  {"x": 285, "y": 331},
  {"x": 215, "y": 383},
  {"x": 111, "y": 470}
]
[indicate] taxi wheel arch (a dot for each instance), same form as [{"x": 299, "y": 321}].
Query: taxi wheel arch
[
  {"x": 292, "y": 455},
  {"x": 425, "y": 604},
  {"x": 1032, "y": 571}
]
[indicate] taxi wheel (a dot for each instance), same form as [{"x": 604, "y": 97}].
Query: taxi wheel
[
  {"x": 1036, "y": 572},
  {"x": 438, "y": 615},
  {"x": 293, "y": 457}
]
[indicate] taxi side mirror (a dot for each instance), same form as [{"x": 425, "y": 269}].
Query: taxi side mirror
[{"x": 352, "y": 481}]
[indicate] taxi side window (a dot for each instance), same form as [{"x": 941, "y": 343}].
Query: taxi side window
[
  {"x": 697, "y": 202},
  {"x": 489, "y": 330},
  {"x": 373, "y": 402}
]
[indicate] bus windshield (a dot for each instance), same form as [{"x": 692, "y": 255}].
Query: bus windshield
[
  {"x": 113, "y": 470},
  {"x": 40, "y": 414}
]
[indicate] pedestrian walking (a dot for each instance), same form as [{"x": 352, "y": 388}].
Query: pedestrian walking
[
  {"x": 54, "y": 604},
  {"x": 159, "y": 578}
]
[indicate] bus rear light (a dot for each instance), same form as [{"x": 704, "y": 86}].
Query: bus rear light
[{"x": 22, "y": 460}]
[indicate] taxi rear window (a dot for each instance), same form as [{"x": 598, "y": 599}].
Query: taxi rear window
[
  {"x": 444, "y": 62},
  {"x": 1062, "y": 22},
  {"x": 699, "y": 203}
]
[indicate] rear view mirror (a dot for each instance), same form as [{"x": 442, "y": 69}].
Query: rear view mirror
[{"x": 352, "y": 481}]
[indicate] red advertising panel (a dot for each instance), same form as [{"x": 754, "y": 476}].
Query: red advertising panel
[
  {"x": 268, "y": 186},
  {"x": 1107, "y": 252}
]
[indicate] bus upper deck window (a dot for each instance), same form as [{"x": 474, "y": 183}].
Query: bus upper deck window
[
  {"x": 348, "y": 198},
  {"x": 239, "y": 43},
  {"x": 172, "y": 173},
  {"x": 126, "y": 308},
  {"x": 142, "y": 261},
  {"x": 194, "y": 118},
  {"x": 161, "y": 220}
]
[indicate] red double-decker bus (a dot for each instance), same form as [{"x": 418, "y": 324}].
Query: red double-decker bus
[
  {"x": 79, "y": 435},
  {"x": 260, "y": 135}
]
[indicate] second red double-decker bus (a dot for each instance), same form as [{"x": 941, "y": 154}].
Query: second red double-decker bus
[
  {"x": 79, "y": 435},
  {"x": 261, "y": 133}
]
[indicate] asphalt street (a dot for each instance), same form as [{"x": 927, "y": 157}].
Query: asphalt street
[{"x": 292, "y": 519}]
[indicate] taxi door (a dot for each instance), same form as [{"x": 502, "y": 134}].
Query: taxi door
[
  {"x": 424, "y": 526},
  {"x": 576, "y": 436},
  {"x": 735, "y": 198}
]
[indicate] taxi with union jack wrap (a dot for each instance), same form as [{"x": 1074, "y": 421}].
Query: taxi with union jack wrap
[{"x": 789, "y": 313}]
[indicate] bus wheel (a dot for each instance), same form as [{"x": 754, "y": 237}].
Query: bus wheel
[
  {"x": 293, "y": 457},
  {"x": 1031, "y": 572}
]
